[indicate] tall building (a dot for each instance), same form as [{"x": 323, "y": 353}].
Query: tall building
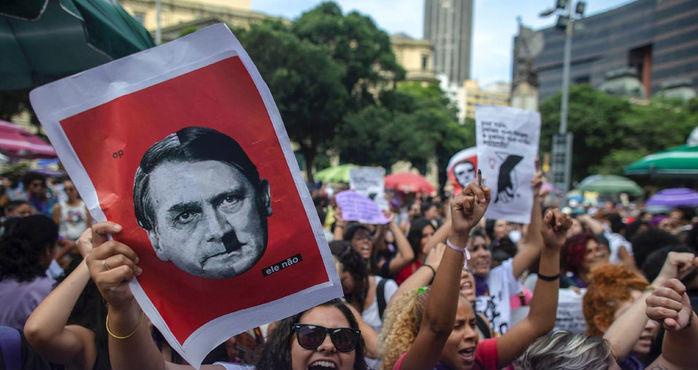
[
  {"x": 640, "y": 48},
  {"x": 415, "y": 56},
  {"x": 448, "y": 24}
]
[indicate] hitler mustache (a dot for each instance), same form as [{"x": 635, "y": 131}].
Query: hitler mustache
[{"x": 231, "y": 242}]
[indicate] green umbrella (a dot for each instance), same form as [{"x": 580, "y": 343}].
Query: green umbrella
[
  {"x": 680, "y": 161},
  {"x": 334, "y": 174},
  {"x": 43, "y": 40},
  {"x": 610, "y": 184}
]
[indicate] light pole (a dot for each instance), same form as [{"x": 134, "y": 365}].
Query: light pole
[
  {"x": 158, "y": 29},
  {"x": 562, "y": 142}
]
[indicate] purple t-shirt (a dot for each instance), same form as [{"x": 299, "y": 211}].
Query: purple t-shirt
[{"x": 19, "y": 299}]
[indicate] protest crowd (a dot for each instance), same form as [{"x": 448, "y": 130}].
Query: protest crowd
[
  {"x": 436, "y": 286},
  {"x": 178, "y": 232}
]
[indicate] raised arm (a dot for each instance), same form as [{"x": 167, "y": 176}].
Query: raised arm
[
  {"x": 626, "y": 330},
  {"x": 339, "y": 224},
  {"x": 530, "y": 246},
  {"x": 47, "y": 330},
  {"x": 368, "y": 334},
  {"x": 112, "y": 265},
  {"x": 541, "y": 316},
  {"x": 405, "y": 254},
  {"x": 440, "y": 312},
  {"x": 424, "y": 275},
  {"x": 669, "y": 304}
]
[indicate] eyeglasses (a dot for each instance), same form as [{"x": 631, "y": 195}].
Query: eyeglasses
[{"x": 311, "y": 337}]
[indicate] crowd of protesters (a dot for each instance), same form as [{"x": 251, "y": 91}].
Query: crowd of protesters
[{"x": 437, "y": 287}]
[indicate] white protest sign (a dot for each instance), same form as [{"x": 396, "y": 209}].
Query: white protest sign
[
  {"x": 358, "y": 207},
  {"x": 369, "y": 182},
  {"x": 183, "y": 146},
  {"x": 507, "y": 145},
  {"x": 570, "y": 316}
]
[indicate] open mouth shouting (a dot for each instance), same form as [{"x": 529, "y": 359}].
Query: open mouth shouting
[
  {"x": 467, "y": 354},
  {"x": 322, "y": 365}
]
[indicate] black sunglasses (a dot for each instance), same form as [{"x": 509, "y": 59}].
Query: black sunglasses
[{"x": 311, "y": 337}]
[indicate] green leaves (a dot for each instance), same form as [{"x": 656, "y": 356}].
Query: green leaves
[{"x": 611, "y": 132}]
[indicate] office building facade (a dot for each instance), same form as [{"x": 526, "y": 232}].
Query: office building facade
[{"x": 655, "y": 42}]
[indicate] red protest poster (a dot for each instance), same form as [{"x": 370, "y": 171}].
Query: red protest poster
[
  {"x": 183, "y": 146},
  {"x": 462, "y": 169}
]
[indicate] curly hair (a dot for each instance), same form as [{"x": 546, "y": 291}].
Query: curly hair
[
  {"x": 353, "y": 263},
  {"x": 401, "y": 325},
  {"x": 25, "y": 241},
  {"x": 276, "y": 354},
  {"x": 609, "y": 286},
  {"x": 574, "y": 251}
]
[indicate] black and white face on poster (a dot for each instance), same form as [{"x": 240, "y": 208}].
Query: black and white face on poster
[{"x": 507, "y": 145}]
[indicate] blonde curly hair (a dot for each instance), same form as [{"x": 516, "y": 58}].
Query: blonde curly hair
[{"x": 401, "y": 325}]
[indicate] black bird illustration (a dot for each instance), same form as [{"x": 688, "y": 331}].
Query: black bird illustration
[{"x": 505, "y": 181}]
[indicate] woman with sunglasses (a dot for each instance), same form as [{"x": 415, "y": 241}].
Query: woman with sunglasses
[
  {"x": 435, "y": 328},
  {"x": 325, "y": 336}
]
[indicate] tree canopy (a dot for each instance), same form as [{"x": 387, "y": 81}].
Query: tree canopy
[{"x": 611, "y": 132}]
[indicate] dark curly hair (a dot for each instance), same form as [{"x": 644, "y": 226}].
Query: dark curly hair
[
  {"x": 25, "y": 241},
  {"x": 276, "y": 354},
  {"x": 353, "y": 263},
  {"x": 414, "y": 236},
  {"x": 649, "y": 241}
]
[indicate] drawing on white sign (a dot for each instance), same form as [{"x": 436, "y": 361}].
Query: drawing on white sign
[{"x": 507, "y": 145}]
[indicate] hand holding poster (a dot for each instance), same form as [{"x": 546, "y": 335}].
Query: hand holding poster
[
  {"x": 369, "y": 182},
  {"x": 183, "y": 146},
  {"x": 507, "y": 146},
  {"x": 358, "y": 207}
]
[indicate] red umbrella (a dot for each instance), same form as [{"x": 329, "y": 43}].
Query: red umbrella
[
  {"x": 408, "y": 182},
  {"x": 20, "y": 143}
]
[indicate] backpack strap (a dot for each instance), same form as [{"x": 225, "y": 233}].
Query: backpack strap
[
  {"x": 380, "y": 296},
  {"x": 10, "y": 347}
]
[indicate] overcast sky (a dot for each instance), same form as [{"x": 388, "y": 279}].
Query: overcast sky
[{"x": 494, "y": 28}]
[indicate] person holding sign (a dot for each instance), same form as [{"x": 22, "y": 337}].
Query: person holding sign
[
  {"x": 325, "y": 335},
  {"x": 496, "y": 286},
  {"x": 443, "y": 334}
]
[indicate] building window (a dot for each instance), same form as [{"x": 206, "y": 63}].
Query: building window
[{"x": 425, "y": 62}]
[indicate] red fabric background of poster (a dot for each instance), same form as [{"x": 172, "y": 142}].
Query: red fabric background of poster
[{"x": 221, "y": 96}]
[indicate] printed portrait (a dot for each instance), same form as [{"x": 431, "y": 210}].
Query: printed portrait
[{"x": 202, "y": 202}]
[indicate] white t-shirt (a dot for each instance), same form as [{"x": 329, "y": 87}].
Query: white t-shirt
[
  {"x": 615, "y": 243},
  {"x": 496, "y": 306},
  {"x": 371, "y": 315},
  {"x": 73, "y": 220}
]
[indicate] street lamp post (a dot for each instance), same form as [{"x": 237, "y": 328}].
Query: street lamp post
[{"x": 562, "y": 142}]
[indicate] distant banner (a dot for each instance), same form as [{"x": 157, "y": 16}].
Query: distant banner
[
  {"x": 507, "y": 146},
  {"x": 369, "y": 181},
  {"x": 183, "y": 146},
  {"x": 462, "y": 168}
]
